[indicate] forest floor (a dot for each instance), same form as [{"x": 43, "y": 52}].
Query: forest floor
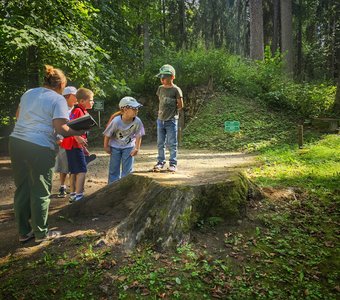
[
  {"x": 286, "y": 247},
  {"x": 195, "y": 167}
]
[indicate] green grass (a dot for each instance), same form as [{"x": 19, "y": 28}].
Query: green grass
[
  {"x": 259, "y": 128},
  {"x": 315, "y": 167},
  {"x": 54, "y": 275},
  {"x": 301, "y": 234}
]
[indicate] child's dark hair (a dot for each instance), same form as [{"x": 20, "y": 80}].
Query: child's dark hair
[{"x": 53, "y": 77}]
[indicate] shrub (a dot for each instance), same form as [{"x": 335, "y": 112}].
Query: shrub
[{"x": 231, "y": 73}]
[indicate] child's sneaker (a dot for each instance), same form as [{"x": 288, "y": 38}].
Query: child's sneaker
[
  {"x": 62, "y": 192},
  {"x": 172, "y": 168},
  {"x": 76, "y": 197},
  {"x": 26, "y": 238},
  {"x": 158, "y": 167},
  {"x": 90, "y": 158},
  {"x": 51, "y": 235}
]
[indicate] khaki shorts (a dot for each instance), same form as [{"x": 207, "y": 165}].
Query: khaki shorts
[{"x": 61, "y": 164}]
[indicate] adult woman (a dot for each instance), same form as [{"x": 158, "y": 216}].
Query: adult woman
[{"x": 42, "y": 112}]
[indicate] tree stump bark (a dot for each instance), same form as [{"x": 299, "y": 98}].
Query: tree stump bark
[{"x": 163, "y": 215}]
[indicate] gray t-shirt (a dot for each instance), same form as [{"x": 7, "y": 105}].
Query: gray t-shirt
[
  {"x": 38, "y": 107},
  {"x": 123, "y": 135},
  {"x": 168, "y": 102}
]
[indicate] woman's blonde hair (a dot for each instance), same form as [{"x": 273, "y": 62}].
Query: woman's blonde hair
[{"x": 53, "y": 77}]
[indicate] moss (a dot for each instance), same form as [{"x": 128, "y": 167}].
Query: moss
[
  {"x": 225, "y": 199},
  {"x": 186, "y": 220},
  {"x": 163, "y": 213}
]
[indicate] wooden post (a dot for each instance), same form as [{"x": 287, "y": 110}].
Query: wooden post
[
  {"x": 180, "y": 127},
  {"x": 99, "y": 118},
  {"x": 300, "y": 136}
]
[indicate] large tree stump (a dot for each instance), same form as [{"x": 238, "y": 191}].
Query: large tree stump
[{"x": 163, "y": 214}]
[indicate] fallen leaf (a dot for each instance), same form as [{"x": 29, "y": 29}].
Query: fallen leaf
[
  {"x": 121, "y": 278},
  {"x": 156, "y": 256},
  {"x": 106, "y": 265},
  {"x": 214, "y": 295},
  {"x": 329, "y": 244},
  {"x": 145, "y": 292}
]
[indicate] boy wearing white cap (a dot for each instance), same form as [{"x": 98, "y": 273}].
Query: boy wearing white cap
[
  {"x": 123, "y": 138},
  {"x": 61, "y": 165}
]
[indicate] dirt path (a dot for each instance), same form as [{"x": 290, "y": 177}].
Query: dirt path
[{"x": 195, "y": 167}]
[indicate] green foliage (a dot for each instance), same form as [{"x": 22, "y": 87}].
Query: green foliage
[
  {"x": 308, "y": 100},
  {"x": 99, "y": 44},
  {"x": 33, "y": 34},
  {"x": 230, "y": 73}
]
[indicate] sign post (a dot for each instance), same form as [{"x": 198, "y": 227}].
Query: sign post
[
  {"x": 98, "y": 106},
  {"x": 231, "y": 126}
]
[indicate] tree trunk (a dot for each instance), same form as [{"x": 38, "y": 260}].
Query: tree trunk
[
  {"x": 182, "y": 26},
  {"x": 206, "y": 22},
  {"x": 299, "y": 43},
  {"x": 146, "y": 43},
  {"x": 287, "y": 36},
  {"x": 336, "y": 50},
  {"x": 332, "y": 44},
  {"x": 238, "y": 48},
  {"x": 163, "y": 214},
  {"x": 256, "y": 29},
  {"x": 336, "y": 106},
  {"x": 276, "y": 26},
  {"x": 164, "y": 19}
]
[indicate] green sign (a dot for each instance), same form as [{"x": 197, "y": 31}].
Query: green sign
[
  {"x": 231, "y": 126},
  {"x": 98, "y": 105}
]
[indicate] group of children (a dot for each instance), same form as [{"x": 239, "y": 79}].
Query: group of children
[{"x": 122, "y": 135}]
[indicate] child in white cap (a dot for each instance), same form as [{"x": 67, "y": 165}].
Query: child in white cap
[
  {"x": 61, "y": 164},
  {"x": 123, "y": 138}
]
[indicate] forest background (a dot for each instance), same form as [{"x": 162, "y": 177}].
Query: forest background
[
  {"x": 284, "y": 52},
  {"x": 269, "y": 64}
]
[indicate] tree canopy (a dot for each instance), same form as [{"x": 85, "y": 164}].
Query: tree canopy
[{"x": 102, "y": 44}]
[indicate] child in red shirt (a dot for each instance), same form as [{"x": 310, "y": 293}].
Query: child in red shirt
[{"x": 76, "y": 145}]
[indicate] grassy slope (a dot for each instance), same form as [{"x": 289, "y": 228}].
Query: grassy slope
[{"x": 259, "y": 127}]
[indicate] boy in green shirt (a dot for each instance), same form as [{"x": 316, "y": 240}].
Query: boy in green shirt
[{"x": 170, "y": 102}]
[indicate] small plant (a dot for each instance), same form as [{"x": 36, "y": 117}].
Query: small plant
[{"x": 214, "y": 221}]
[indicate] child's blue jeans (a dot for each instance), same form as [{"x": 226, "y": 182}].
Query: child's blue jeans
[
  {"x": 120, "y": 157},
  {"x": 167, "y": 135}
]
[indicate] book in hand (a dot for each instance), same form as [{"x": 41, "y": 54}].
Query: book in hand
[{"x": 85, "y": 122}]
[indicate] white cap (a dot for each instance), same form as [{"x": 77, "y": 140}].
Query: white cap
[
  {"x": 69, "y": 90},
  {"x": 130, "y": 102}
]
